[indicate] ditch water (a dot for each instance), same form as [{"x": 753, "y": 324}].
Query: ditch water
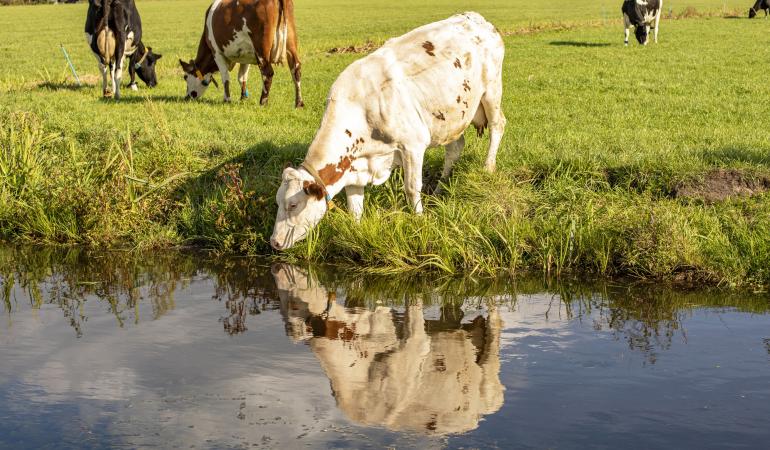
[{"x": 192, "y": 351}]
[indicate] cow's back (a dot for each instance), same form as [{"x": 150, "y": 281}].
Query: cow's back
[
  {"x": 233, "y": 26},
  {"x": 438, "y": 71}
]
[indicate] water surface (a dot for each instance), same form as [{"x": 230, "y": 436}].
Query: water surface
[{"x": 187, "y": 350}]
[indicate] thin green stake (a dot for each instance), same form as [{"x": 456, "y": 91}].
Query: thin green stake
[{"x": 69, "y": 61}]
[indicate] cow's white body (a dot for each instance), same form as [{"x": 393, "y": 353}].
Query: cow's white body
[{"x": 419, "y": 90}]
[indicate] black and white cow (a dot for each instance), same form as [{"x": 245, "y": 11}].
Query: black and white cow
[
  {"x": 113, "y": 28},
  {"x": 760, "y": 4},
  {"x": 643, "y": 15}
]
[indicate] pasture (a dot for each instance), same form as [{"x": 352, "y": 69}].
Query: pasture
[{"x": 649, "y": 161}]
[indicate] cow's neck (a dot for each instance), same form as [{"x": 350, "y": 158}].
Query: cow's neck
[
  {"x": 331, "y": 159},
  {"x": 204, "y": 60}
]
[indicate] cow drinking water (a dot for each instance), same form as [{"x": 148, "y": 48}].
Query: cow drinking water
[
  {"x": 113, "y": 31},
  {"x": 419, "y": 90},
  {"x": 247, "y": 32},
  {"x": 641, "y": 15}
]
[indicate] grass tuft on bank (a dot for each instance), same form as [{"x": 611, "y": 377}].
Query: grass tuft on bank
[{"x": 642, "y": 161}]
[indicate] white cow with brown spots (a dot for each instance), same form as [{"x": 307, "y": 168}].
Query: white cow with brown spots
[
  {"x": 246, "y": 32},
  {"x": 419, "y": 90}
]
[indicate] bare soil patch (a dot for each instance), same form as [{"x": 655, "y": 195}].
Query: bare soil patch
[
  {"x": 721, "y": 184},
  {"x": 367, "y": 47}
]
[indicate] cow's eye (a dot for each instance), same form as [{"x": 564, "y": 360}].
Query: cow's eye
[
  {"x": 185, "y": 77},
  {"x": 292, "y": 206}
]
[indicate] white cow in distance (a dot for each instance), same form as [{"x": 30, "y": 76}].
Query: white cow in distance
[{"x": 419, "y": 90}]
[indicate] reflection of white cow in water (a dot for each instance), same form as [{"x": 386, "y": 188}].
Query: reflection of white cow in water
[{"x": 403, "y": 372}]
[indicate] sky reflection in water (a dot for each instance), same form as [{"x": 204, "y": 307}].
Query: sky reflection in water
[{"x": 112, "y": 350}]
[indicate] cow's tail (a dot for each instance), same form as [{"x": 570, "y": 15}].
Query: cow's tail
[{"x": 278, "y": 52}]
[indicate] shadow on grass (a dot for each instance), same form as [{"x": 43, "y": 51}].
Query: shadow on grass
[
  {"x": 143, "y": 98},
  {"x": 724, "y": 156},
  {"x": 233, "y": 203},
  {"x": 63, "y": 86},
  {"x": 579, "y": 44}
]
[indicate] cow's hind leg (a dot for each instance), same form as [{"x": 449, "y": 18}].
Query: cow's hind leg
[
  {"x": 103, "y": 69},
  {"x": 296, "y": 73},
  {"x": 490, "y": 107},
  {"x": 412, "y": 160},
  {"x": 243, "y": 76},
  {"x": 355, "y": 195},
  {"x": 657, "y": 22},
  {"x": 452, "y": 154},
  {"x": 267, "y": 81}
]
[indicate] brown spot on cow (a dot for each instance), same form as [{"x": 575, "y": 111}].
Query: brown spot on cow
[
  {"x": 457, "y": 64},
  {"x": 348, "y": 133},
  {"x": 466, "y": 104},
  {"x": 314, "y": 189},
  {"x": 458, "y": 99},
  {"x": 331, "y": 173},
  {"x": 463, "y": 116},
  {"x": 466, "y": 86},
  {"x": 428, "y": 46},
  {"x": 439, "y": 115}
]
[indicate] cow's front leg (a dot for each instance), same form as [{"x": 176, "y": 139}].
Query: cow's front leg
[
  {"x": 355, "y": 196},
  {"x": 267, "y": 81},
  {"x": 412, "y": 160},
  {"x": 132, "y": 75},
  {"x": 224, "y": 71},
  {"x": 243, "y": 76}
]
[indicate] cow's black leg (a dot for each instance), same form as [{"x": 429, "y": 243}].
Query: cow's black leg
[
  {"x": 132, "y": 73},
  {"x": 267, "y": 81}
]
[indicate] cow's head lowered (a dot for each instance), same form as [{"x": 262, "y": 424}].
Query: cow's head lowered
[
  {"x": 145, "y": 67},
  {"x": 301, "y": 205},
  {"x": 641, "y": 34},
  {"x": 760, "y": 4},
  {"x": 197, "y": 81}
]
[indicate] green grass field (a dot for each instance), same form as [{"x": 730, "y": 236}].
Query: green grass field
[{"x": 609, "y": 165}]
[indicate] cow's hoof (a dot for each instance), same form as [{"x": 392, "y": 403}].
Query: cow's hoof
[
  {"x": 626, "y": 43},
  {"x": 227, "y": 100},
  {"x": 263, "y": 101},
  {"x": 106, "y": 94},
  {"x": 133, "y": 87},
  {"x": 245, "y": 95},
  {"x": 299, "y": 104}
]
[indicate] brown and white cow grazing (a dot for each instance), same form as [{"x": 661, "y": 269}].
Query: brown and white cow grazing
[
  {"x": 247, "y": 32},
  {"x": 419, "y": 90}
]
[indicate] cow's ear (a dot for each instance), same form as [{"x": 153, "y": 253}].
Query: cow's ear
[
  {"x": 158, "y": 56},
  {"x": 184, "y": 65},
  {"x": 313, "y": 190},
  {"x": 287, "y": 164}
]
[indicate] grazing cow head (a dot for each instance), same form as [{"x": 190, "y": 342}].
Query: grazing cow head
[
  {"x": 197, "y": 82},
  {"x": 145, "y": 68},
  {"x": 641, "y": 34},
  {"x": 301, "y": 206},
  {"x": 752, "y": 12}
]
